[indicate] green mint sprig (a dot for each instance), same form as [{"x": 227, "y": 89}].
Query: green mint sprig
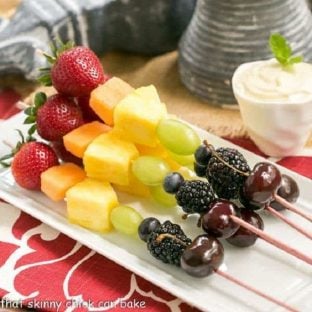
[{"x": 282, "y": 50}]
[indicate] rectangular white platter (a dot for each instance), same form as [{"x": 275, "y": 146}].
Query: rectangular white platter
[{"x": 262, "y": 265}]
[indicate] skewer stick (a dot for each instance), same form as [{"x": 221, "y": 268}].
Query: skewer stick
[
  {"x": 254, "y": 290},
  {"x": 273, "y": 241},
  {"x": 291, "y": 223},
  {"x": 21, "y": 105},
  {"x": 292, "y": 208}
]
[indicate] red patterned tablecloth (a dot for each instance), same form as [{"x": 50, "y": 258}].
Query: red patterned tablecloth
[{"x": 49, "y": 271}]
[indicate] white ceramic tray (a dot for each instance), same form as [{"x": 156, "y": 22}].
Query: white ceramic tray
[{"x": 262, "y": 265}]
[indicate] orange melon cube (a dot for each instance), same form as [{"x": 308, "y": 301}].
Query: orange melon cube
[
  {"x": 57, "y": 180},
  {"x": 105, "y": 97},
  {"x": 79, "y": 139}
]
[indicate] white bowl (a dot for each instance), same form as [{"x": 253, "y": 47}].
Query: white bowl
[{"x": 278, "y": 128}]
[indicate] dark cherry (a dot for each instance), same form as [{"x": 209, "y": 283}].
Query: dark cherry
[
  {"x": 288, "y": 190},
  {"x": 243, "y": 237},
  {"x": 217, "y": 222},
  {"x": 203, "y": 256},
  {"x": 260, "y": 186},
  {"x": 250, "y": 205}
]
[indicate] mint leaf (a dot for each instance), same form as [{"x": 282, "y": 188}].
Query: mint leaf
[
  {"x": 295, "y": 60},
  {"x": 282, "y": 50}
]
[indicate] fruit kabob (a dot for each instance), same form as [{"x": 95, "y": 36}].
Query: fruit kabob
[{"x": 199, "y": 258}]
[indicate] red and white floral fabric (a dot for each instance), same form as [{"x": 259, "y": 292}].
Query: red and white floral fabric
[{"x": 43, "y": 269}]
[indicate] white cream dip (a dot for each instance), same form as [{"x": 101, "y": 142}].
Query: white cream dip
[
  {"x": 268, "y": 81},
  {"x": 275, "y": 105}
]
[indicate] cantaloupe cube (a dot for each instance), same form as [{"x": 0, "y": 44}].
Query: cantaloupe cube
[
  {"x": 89, "y": 204},
  {"x": 58, "y": 179},
  {"x": 108, "y": 158},
  {"x": 136, "y": 116},
  {"x": 135, "y": 187},
  {"x": 105, "y": 97},
  {"x": 77, "y": 140}
]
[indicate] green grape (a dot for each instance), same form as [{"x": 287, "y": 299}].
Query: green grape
[
  {"x": 150, "y": 170},
  {"x": 177, "y": 137},
  {"x": 188, "y": 173},
  {"x": 125, "y": 219},
  {"x": 162, "y": 197},
  {"x": 183, "y": 160}
]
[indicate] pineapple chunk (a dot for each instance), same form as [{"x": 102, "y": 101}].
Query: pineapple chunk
[
  {"x": 77, "y": 140},
  {"x": 135, "y": 187},
  {"x": 108, "y": 158},
  {"x": 105, "y": 97},
  {"x": 56, "y": 180},
  {"x": 136, "y": 116},
  {"x": 89, "y": 204}
]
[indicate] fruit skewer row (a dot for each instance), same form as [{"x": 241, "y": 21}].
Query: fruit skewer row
[
  {"x": 163, "y": 128},
  {"x": 138, "y": 118}
]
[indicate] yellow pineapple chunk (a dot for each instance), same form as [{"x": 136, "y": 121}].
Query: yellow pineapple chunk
[
  {"x": 136, "y": 116},
  {"x": 56, "y": 180},
  {"x": 105, "y": 97},
  {"x": 135, "y": 187},
  {"x": 108, "y": 158},
  {"x": 77, "y": 140},
  {"x": 89, "y": 204}
]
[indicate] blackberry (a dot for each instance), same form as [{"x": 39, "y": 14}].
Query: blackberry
[
  {"x": 195, "y": 196},
  {"x": 227, "y": 176},
  {"x": 167, "y": 243}
]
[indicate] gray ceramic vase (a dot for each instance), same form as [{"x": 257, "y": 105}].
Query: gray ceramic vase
[{"x": 224, "y": 34}]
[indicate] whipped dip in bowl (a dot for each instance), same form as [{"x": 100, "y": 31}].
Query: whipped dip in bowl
[{"x": 276, "y": 104}]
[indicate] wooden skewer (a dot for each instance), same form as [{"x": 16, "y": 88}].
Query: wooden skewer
[
  {"x": 21, "y": 105},
  {"x": 291, "y": 223},
  {"x": 292, "y": 208},
  {"x": 273, "y": 241},
  {"x": 254, "y": 290}
]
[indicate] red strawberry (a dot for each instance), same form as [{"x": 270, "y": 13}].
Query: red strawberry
[
  {"x": 30, "y": 161},
  {"x": 53, "y": 117},
  {"x": 63, "y": 154},
  {"x": 75, "y": 71}
]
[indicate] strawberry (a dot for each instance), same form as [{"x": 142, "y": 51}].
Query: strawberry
[
  {"x": 30, "y": 159},
  {"x": 75, "y": 71},
  {"x": 53, "y": 117}
]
